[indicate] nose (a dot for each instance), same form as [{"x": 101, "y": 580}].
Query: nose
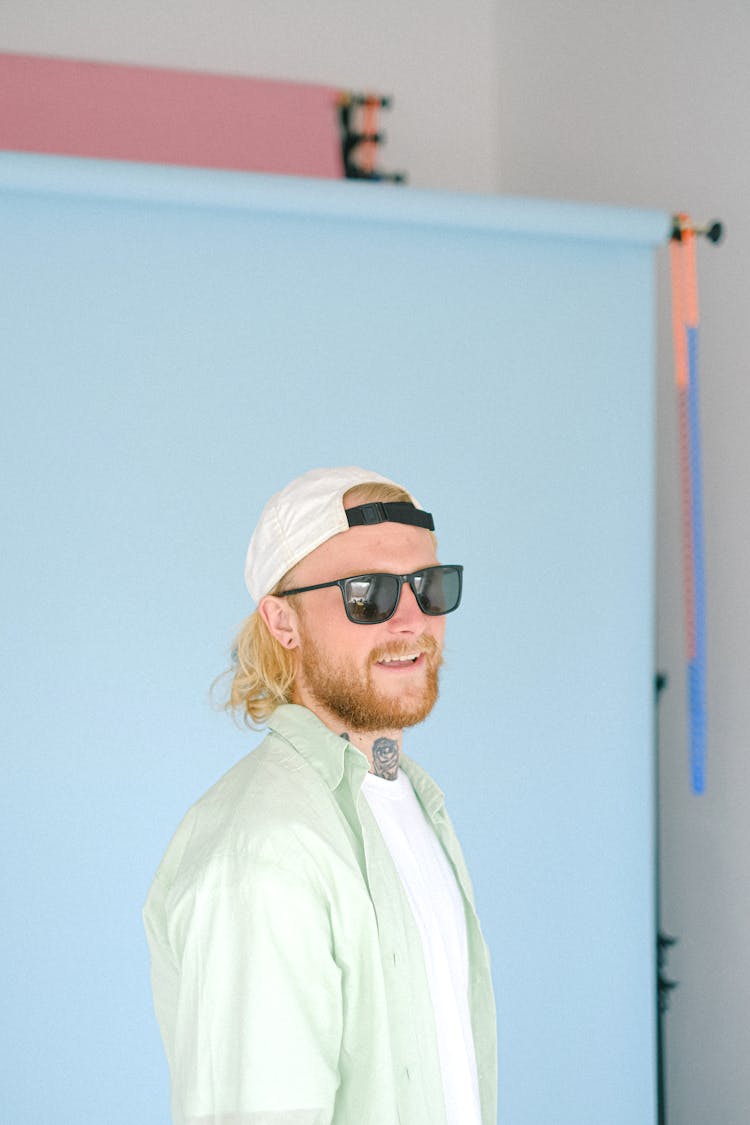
[{"x": 408, "y": 617}]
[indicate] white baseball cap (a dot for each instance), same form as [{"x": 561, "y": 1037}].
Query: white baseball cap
[{"x": 305, "y": 514}]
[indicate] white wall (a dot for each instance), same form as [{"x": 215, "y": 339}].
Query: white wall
[
  {"x": 436, "y": 58},
  {"x": 647, "y": 103}
]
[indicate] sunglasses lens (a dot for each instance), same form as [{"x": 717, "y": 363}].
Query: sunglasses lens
[
  {"x": 438, "y": 589},
  {"x": 371, "y": 598}
]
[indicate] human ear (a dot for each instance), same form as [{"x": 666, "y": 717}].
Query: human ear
[{"x": 280, "y": 619}]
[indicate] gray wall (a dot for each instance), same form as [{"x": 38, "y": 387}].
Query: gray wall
[
  {"x": 643, "y": 103},
  {"x": 436, "y": 57},
  {"x": 647, "y": 103}
]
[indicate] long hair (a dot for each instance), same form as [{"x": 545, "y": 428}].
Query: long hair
[{"x": 262, "y": 671}]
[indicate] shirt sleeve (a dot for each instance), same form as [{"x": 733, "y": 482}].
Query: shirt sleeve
[{"x": 258, "y": 1018}]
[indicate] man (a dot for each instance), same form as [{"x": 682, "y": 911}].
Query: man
[{"x": 316, "y": 958}]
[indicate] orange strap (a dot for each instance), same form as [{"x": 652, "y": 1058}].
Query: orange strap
[
  {"x": 685, "y": 330},
  {"x": 368, "y": 149}
]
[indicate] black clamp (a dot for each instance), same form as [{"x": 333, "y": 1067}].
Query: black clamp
[
  {"x": 350, "y": 108},
  {"x": 713, "y": 231}
]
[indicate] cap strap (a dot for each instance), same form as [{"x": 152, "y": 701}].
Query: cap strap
[{"x": 397, "y": 512}]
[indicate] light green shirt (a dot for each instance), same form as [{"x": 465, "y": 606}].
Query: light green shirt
[{"x": 287, "y": 969}]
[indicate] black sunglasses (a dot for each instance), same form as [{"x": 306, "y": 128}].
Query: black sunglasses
[{"x": 370, "y": 599}]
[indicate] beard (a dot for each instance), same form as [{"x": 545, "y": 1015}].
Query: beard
[{"x": 350, "y": 695}]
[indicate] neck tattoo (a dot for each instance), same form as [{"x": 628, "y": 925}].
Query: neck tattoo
[{"x": 385, "y": 753}]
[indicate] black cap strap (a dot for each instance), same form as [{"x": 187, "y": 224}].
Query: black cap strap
[{"x": 397, "y": 512}]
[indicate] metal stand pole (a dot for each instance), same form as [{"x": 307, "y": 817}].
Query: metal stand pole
[{"x": 663, "y": 941}]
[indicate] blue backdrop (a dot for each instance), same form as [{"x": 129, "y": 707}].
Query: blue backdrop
[{"x": 176, "y": 346}]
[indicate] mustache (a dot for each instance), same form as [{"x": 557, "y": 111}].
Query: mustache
[{"x": 425, "y": 644}]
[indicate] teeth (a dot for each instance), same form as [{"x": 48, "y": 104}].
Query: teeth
[{"x": 400, "y": 659}]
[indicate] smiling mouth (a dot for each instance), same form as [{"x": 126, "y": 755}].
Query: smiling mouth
[
  {"x": 407, "y": 661},
  {"x": 416, "y": 652}
]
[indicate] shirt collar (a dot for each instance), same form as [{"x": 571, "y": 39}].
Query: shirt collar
[
  {"x": 431, "y": 796},
  {"x": 326, "y": 753},
  {"x": 320, "y": 747}
]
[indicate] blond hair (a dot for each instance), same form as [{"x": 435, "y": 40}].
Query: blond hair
[{"x": 262, "y": 670}]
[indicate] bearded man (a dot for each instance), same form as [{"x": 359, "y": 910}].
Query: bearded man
[{"x": 316, "y": 956}]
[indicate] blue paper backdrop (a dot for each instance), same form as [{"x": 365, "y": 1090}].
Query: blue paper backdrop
[{"x": 176, "y": 346}]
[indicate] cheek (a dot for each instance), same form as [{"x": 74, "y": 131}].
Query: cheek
[
  {"x": 342, "y": 639},
  {"x": 437, "y": 629},
  {"x": 323, "y": 617}
]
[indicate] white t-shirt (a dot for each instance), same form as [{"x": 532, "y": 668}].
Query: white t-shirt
[{"x": 435, "y": 900}]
